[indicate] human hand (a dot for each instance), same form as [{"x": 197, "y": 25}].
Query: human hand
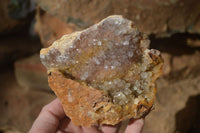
[{"x": 52, "y": 119}]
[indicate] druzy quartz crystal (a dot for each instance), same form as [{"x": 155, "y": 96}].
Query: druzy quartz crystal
[{"x": 104, "y": 74}]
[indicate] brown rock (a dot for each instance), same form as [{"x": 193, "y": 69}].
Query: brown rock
[
  {"x": 15, "y": 47},
  {"x": 14, "y": 15},
  {"x": 8, "y": 129},
  {"x": 195, "y": 43},
  {"x": 167, "y": 64},
  {"x": 19, "y": 107},
  {"x": 182, "y": 63},
  {"x": 50, "y": 28},
  {"x": 31, "y": 74},
  {"x": 6, "y": 22},
  {"x": 197, "y": 26},
  {"x": 106, "y": 73},
  {"x": 175, "y": 112},
  {"x": 152, "y": 16}
]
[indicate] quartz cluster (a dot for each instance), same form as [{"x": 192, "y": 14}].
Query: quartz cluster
[{"x": 110, "y": 58}]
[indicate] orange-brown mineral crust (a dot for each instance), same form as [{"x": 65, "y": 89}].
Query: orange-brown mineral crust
[{"x": 104, "y": 74}]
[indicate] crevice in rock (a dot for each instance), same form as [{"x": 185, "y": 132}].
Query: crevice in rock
[{"x": 176, "y": 45}]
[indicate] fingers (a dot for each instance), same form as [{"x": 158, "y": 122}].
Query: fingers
[
  {"x": 110, "y": 128},
  {"x": 48, "y": 119},
  {"x": 64, "y": 123},
  {"x": 93, "y": 129},
  {"x": 135, "y": 126},
  {"x": 68, "y": 127},
  {"x": 71, "y": 128}
]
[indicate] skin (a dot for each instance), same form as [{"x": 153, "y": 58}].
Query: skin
[{"x": 52, "y": 119}]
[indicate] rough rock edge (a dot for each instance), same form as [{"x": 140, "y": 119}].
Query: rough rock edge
[{"x": 92, "y": 106}]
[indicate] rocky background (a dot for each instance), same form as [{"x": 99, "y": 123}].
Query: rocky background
[{"x": 28, "y": 25}]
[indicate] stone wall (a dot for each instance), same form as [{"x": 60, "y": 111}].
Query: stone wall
[{"x": 159, "y": 17}]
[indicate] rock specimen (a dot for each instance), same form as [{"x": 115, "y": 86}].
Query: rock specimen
[{"x": 104, "y": 74}]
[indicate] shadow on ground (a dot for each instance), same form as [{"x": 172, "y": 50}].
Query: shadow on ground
[{"x": 188, "y": 119}]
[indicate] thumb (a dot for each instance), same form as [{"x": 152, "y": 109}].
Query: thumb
[
  {"x": 48, "y": 119},
  {"x": 135, "y": 126}
]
